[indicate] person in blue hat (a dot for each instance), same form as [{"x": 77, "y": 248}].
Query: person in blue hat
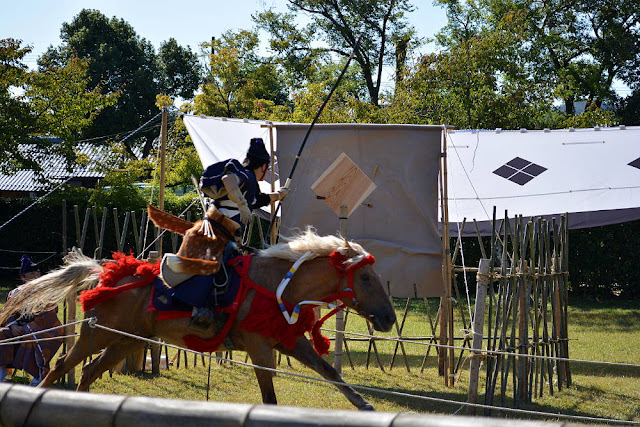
[{"x": 233, "y": 186}]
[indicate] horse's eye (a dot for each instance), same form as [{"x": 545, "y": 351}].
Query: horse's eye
[{"x": 365, "y": 277}]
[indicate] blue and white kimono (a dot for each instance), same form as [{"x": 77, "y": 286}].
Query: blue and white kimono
[{"x": 211, "y": 184}]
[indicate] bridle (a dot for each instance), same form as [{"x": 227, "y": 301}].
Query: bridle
[{"x": 339, "y": 263}]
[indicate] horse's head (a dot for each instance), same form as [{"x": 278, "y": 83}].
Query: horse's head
[{"x": 371, "y": 301}]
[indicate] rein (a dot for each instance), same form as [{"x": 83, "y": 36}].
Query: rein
[{"x": 338, "y": 262}]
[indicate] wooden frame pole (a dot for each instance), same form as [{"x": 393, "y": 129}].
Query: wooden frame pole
[
  {"x": 163, "y": 159},
  {"x": 446, "y": 355}
]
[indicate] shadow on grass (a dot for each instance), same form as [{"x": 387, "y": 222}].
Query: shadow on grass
[{"x": 423, "y": 405}]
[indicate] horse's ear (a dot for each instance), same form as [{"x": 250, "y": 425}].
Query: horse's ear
[
  {"x": 350, "y": 250},
  {"x": 167, "y": 221}
]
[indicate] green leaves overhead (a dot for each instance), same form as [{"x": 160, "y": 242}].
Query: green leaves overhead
[
  {"x": 333, "y": 28},
  {"x": 56, "y": 101}
]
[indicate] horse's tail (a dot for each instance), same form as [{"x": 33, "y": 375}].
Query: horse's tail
[{"x": 38, "y": 295}]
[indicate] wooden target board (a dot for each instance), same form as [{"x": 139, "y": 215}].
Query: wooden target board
[{"x": 343, "y": 184}]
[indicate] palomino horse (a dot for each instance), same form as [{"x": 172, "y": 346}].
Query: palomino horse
[{"x": 335, "y": 270}]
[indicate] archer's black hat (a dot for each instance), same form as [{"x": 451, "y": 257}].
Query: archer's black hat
[{"x": 257, "y": 150}]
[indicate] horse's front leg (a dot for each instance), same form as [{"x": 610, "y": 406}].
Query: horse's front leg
[
  {"x": 261, "y": 352},
  {"x": 304, "y": 352}
]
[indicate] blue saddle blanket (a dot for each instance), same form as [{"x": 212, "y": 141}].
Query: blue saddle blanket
[{"x": 199, "y": 291}]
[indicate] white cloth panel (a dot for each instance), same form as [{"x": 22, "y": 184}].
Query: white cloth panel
[
  {"x": 218, "y": 139},
  {"x": 400, "y": 227},
  {"x": 588, "y": 173}
]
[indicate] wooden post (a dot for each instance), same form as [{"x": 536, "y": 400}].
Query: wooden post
[
  {"x": 482, "y": 282},
  {"x": 71, "y": 300},
  {"x": 274, "y": 228},
  {"x": 163, "y": 156},
  {"x": 85, "y": 226},
  {"x": 101, "y": 237},
  {"x": 337, "y": 353},
  {"x": 446, "y": 355}
]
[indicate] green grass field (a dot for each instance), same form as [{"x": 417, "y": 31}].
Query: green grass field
[{"x": 599, "y": 331}]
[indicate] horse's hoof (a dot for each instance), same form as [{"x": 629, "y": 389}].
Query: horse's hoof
[{"x": 367, "y": 407}]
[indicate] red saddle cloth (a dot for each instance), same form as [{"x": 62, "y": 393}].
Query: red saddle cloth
[{"x": 264, "y": 318}]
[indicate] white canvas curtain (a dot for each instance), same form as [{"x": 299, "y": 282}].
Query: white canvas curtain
[
  {"x": 592, "y": 174},
  {"x": 400, "y": 226}
]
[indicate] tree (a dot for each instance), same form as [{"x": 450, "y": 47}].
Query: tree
[
  {"x": 179, "y": 70},
  {"x": 123, "y": 62},
  {"x": 336, "y": 25},
  {"x": 15, "y": 116},
  {"x": 480, "y": 79},
  {"x": 582, "y": 46},
  {"x": 240, "y": 83},
  {"x": 52, "y": 102},
  {"x": 629, "y": 110}
]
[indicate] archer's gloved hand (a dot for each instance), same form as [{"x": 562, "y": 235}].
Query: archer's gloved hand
[
  {"x": 245, "y": 212},
  {"x": 283, "y": 192}
]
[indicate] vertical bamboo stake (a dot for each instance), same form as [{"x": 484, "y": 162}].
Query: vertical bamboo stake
[
  {"x": 116, "y": 226},
  {"x": 96, "y": 230},
  {"x": 545, "y": 304},
  {"x": 76, "y": 217},
  {"x": 70, "y": 301},
  {"x": 446, "y": 356},
  {"x": 141, "y": 235},
  {"x": 557, "y": 318},
  {"x": 163, "y": 157},
  {"x": 274, "y": 229},
  {"x": 337, "y": 354},
  {"x": 85, "y": 225},
  {"x": 125, "y": 227},
  {"x": 101, "y": 238},
  {"x": 134, "y": 228},
  {"x": 564, "y": 265},
  {"x": 482, "y": 282}
]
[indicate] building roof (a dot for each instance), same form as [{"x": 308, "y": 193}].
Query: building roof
[{"x": 54, "y": 169}]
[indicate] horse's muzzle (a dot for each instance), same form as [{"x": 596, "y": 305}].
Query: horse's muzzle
[{"x": 383, "y": 321}]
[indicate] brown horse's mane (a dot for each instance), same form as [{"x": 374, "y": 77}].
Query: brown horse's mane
[{"x": 309, "y": 241}]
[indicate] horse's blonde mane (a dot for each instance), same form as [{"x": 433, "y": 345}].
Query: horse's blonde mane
[
  {"x": 308, "y": 240},
  {"x": 41, "y": 294}
]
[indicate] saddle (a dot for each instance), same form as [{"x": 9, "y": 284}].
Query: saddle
[{"x": 181, "y": 288}]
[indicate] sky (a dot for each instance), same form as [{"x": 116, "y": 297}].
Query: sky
[{"x": 38, "y": 22}]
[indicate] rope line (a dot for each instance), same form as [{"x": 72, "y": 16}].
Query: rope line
[
  {"x": 38, "y": 200},
  {"x": 488, "y": 352},
  {"x": 371, "y": 389},
  {"x": 17, "y": 339},
  {"x": 3, "y": 344}
]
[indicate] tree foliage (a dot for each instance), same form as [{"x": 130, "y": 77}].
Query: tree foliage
[
  {"x": 580, "y": 46},
  {"x": 334, "y": 27},
  {"x": 53, "y": 102},
  {"x": 240, "y": 82},
  {"x": 122, "y": 62},
  {"x": 180, "y": 70}
]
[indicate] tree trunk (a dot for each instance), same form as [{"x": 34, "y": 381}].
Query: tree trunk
[
  {"x": 570, "y": 107},
  {"x": 401, "y": 58}
]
